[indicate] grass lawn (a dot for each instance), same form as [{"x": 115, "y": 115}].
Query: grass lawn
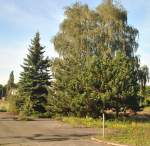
[
  {"x": 136, "y": 134},
  {"x": 125, "y": 131}
]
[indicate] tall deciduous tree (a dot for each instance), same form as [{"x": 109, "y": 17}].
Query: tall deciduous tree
[
  {"x": 117, "y": 33},
  {"x": 89, "y": 70},
  {"x": 35, "y": 79}
]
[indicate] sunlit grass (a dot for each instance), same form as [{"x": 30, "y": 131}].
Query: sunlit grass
[
  {"x": 147, "y": 109},
  {"x": 119, "y": 131},
  {"x": 134, "y": 134}
]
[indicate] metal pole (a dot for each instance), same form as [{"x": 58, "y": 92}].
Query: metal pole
[{"x": 103, "y": 125}]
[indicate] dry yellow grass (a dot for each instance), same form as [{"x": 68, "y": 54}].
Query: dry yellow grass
[{"x": 134, "y": 133}]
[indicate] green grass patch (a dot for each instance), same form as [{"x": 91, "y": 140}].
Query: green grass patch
[
  {"x": 132, "y": 135},
  {"x": 123, "y": 131},
  {"x": 81, "y": 122}
]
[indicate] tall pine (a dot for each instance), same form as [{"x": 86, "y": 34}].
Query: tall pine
[{"x": 35, "y": 79}]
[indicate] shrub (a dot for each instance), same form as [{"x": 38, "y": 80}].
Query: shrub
[
  {"x": 4, "y": 106},
  {"x": 15, "y": 103}
]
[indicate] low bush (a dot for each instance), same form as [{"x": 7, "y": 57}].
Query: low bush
[
  {"x": 4, "y": 106},
  {"x": 14, "y": 104}
]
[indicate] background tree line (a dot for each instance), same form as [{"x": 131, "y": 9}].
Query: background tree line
[
  {"x": 7, "y": 90},
  {"x": 97, "y": 68}
]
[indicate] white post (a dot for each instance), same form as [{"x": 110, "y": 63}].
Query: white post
[{"x": 103, "y": 125}]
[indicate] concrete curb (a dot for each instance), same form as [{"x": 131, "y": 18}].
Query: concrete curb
[{"x": 109, "y": 143}]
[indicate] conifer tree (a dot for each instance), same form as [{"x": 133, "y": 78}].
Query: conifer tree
[
  {"x": 10, "y": 83},
  {"x": 35, "y": 79}
]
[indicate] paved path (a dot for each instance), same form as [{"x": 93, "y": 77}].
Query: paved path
[{"x": 43, "y": 133}]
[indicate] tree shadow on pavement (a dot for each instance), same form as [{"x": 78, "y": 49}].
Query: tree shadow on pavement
[{"x": 47, "y": 137}]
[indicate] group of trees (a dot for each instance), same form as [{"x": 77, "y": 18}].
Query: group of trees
[
  {"x": 146, "y": 96},
  {"x": 96, "y": 70},
  {"x": 1, "y": 90},
  {"x": 6, "y": 90}
]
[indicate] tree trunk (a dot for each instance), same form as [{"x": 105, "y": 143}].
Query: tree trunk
[{"x": 117, "y": 112}]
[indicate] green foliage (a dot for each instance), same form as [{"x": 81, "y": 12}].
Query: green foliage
[
  {"x": 146, "y": 101},
  {"x": 143, "y": 79},
  {"x": 15, "y": 103},
  {"x": 34, "y": 80},
  {"x": 124, "y": 83},
  {"x": 1, "y": 90},
  {"x": 4, "y": 106},
  {"x": 97, "y": 68},
  {"x": 10, "y": 84}
]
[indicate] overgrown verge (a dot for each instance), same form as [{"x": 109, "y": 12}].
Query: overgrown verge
[{"x": 123, "y": 131}]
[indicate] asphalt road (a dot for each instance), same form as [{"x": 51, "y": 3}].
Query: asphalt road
[{"x": 43, "y": 133}]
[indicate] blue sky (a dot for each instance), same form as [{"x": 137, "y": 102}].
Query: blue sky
[{"x": 20, "y": 19}]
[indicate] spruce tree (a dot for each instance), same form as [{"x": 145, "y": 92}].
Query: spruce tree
[{"x": 35, "y": 79}]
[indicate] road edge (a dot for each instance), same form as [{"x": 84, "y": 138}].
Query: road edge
[{"x": 105, "y": 142}]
